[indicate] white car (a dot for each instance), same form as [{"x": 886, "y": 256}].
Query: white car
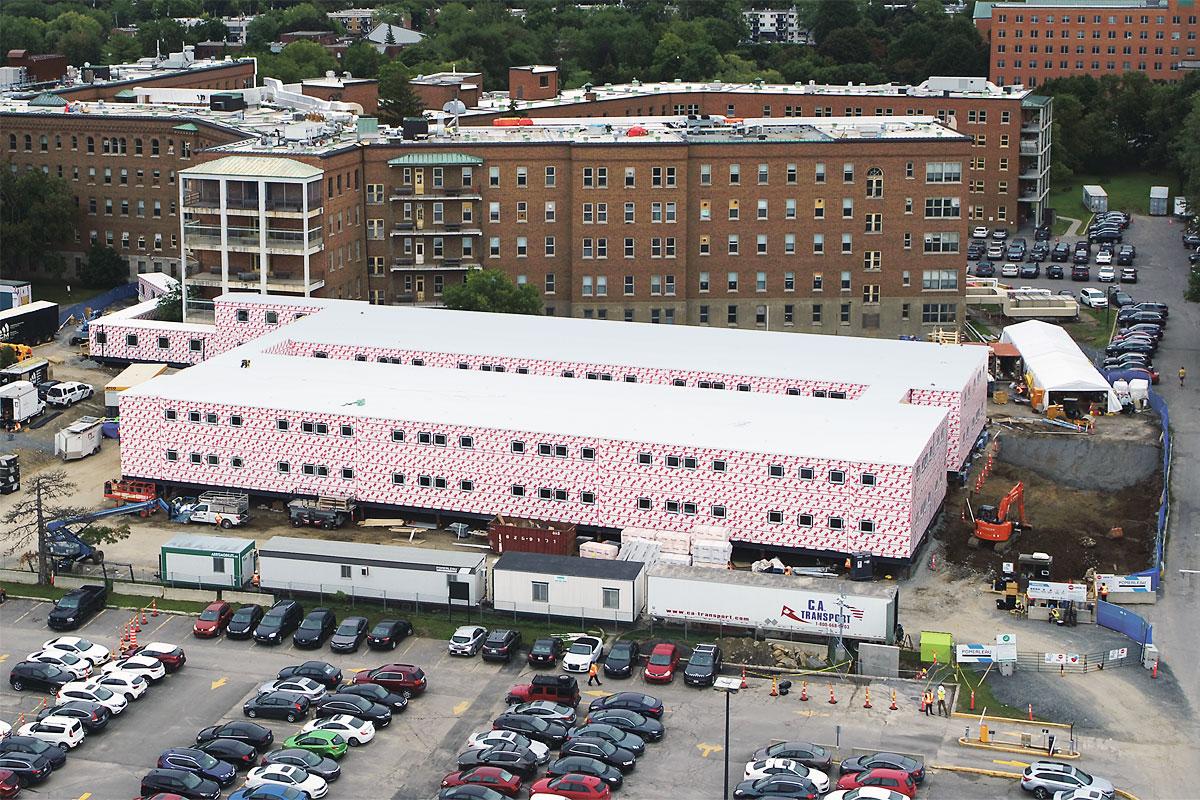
[
  {"x": 79, "y": 667},
  {"x": 65, "y": 732},
  {"x": 1010, "y": 270},
  {"x": 116, "y": 703},
  {"x": 467, "y": 640},
  {"x": 354, "y": 730},
  {"x": 485, "y": 739},
  {"x": 1106, "y": 274},
  {"x": 302, "y": 686},
  {"x": 979, "y": 232},
  {"x": 287, "y": 775},
  {"x": 1104, "y": 257},
  {"x": 1093, "y": 298},
  {"x": 865, "y": 793},
  {"x": 585, "y": 651},
  {"x": 81, "y": 647},
  {"x": 129, "y": 684},
  {"x": 787, "y": 766},
  {"x": 1084, "y": 793},
  {"x": 150, "y": 668},
  {"x": 68, "y": 393}
]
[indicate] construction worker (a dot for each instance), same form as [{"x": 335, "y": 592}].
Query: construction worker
[
  {"x": 928, "y": 702},
  {"x": 941, "y": 698},
  {"x": 1104, "y": 592},
  {"x": 594, "y": 675},
  {"x": 1182, "y": 375}
]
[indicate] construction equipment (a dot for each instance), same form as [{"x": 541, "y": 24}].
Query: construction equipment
[
  {"x": 68, "y": 548},
  {"x": 992, "y": 523},
  {"x": 226, "y": 509},
  {"x": 322, "y": 512},
  {"x": 131, "y": 491}
]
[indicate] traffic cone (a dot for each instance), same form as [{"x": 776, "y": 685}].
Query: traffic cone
[
  {"x": 868, "y": 703},
  {"x": 144, "y": 620},
  {"x": 832, "y": 698},
  {"x": 1031, "y": 712},
  {"x": 804, "y": 691},
  {"x": 154, "y": 607},
  {"x": 893, "y": 706},
  {"x": 1154, "y": 672},
  {"x": 774, "y": 686},
  {"x": 744, "y": 684},
  {"x": 134, "y": 627},
  {"x": 972, "y": 699}
]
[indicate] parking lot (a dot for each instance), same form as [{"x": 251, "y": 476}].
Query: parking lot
[{"x": 409, "y": 758}]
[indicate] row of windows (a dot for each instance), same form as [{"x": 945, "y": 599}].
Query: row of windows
[
  {"x": 163, "y": 342},
  {"x": 835, "y": 523},
  {"x": 115, "y": 146},
  {"x": 1144, "y": 19}
]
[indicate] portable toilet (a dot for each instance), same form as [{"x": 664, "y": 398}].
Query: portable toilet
[{"x": 1159, "y": 195}]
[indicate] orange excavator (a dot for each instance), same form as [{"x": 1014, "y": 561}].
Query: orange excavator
[{"x": 992, "y": 523}]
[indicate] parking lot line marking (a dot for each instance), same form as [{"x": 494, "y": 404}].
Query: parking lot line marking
[
  {"x": 3, "y": 657},
  {"x": 218, "y": 683},
  {"x": 595, "y": 693},
  {"x": 357, "y": 670},
  {"x": 95, "y": 619},
  {"x": 160, "y": 626},
  {"x": 27, "y": 613},
  {"x": 85, "y": 796},
  {"x": 809, "y": 713},
  {"x": 461, "y": 707},
  {"x": 1010, "y": 763},
  {"x": 707, "y": 750}
]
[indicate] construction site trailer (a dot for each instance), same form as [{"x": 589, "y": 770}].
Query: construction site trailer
[
  {"x": 133, "y": 375},
  {"x": 568, "y": 586},
  {"x": 773, "y": 602},
  {"x": 216, "y": 561},
  {"x": 1095, "y": 199},
  {"x": 441, "y": 577},
  {"x": 1160, "y": 198},
  {"x": 79, "y": 439},
  {"x": 31, "y": 323}
]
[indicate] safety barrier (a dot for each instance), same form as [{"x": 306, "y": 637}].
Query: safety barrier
[
  {"x": 1164, "y": 508},
  {"x": 1122, "y": 620},
  {"x": 126, "y": 291}
]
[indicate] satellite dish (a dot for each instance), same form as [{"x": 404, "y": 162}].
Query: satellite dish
[{"x": 455, "y": 107}]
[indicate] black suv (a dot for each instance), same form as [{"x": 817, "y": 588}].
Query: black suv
[
  {"x": 179, "y": 782},
  {"x": 500, "y": 645},
  {"x": 624, "y": 657},
  {"x": 349, "y": 635},
  {"x": 544, "y": 652},
  {"x": 92, "y": 716},
  {"x": 1126, "y": 253},
  {"x": 387, "y": 633},
  {"x": 315, "y": 629},
  {"x": 77, "y": 607},
  {"x": 244, "y": 621},
  {"x": 704, "y": 665},
  {"x": 282, "y": 619},
  {"x": 38, "y": 676}
]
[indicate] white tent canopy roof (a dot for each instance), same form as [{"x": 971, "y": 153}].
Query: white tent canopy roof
[{"x": 1056, "y": 362}]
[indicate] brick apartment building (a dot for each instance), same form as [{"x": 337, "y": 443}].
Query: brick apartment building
[
  {"x": 1032, "y": 42},
  {"x": 1008, "y": 171}
]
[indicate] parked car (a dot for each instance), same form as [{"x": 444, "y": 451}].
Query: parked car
[
  {"x": 244, "y": 622},
  {"x": 704, "y": 665},
  {"x": 213, "y": 620},
  {"x": 250, "y": 733},
  {"x": 885, "y": 761},
  {"x": 180, "y": 783},
  {"x": 171, "y": 655},
  {"x": 1129, "y": 275},
  {"x": 583, "y": 765},
  {"x": 1132, "y": 315},
  {"x": 1041, "y": 233},
  {"x": 979, "y": 232},
  {"x": 148, "y": 667},
  {"x": 661, "y": 666},
  {"x": 1126, "y": 253},
  {"x": 290, "y": 776},
  {"x": 1030, "y": 271},
  {"x": 323, "y": 743},
  {"x": 349, "y": 635},
  {"x": 1000, "y": 234},
  {"x": 322, "y": 672},
  {"x": 267, "y": 791},
  {"x": 91, "y": 715},
  {"x": 544, "y": 652},
  {"x": 1038, "y": 253},
  {"x": 495, "y": 778},
  {"x": 467, "y": 640},
  {"x": 610, "y": 733},
  {"x": 77, "y": 607},
  {"x": 607, "y": 752},
  {"x": 63, "y": 732},
  {"x": 896, "y": 780},
  {"x": 316, "y": 627},
  {"x": 129, "y": 685},
  {"x": 550, "y": 733},
  {"x": 1119, "y": 299},
  {"x": 1044, "y": 778},
  {"x": 1081, "y": 273},
  {"x": 354, "y": 730},
  {"x": 864, "y": 793},
  {"x": 651, "y": 730},
  {"x": 1158, "y": 308},
  {"x": 492, "y": 738},
  {"x": 314, "y": 764},
  {"x": 232, "y": 751},
  {"x": 546, "y": 709},
  {"x": 79, "y": 668},
  {"x": 1151, "y": 330},
  {"x": 1106, "y": 274},
  {"x": 807, "y": 753},
  {"x": 33, "y": 746},
  {"x": 622, "y": 658},
  {"x": 786, "y": 766},
  {"x": 277, "y": 705},
  {"x": 500, "y": 645},
  {"x": 396, "y": 703},
  {"x": 515, "y": 761},
  {"x": 984, "y": 269},
  {"x": 583, "y": 652},
  {"x": 572, "y": 786},
  {"x": 996, "y": 251},
  {"x": 10, "y": 784},
  {"x": 404, "y": 679},
  {"x": 354, "y": 705},
  {"x": 305, "y": 687},
  {"x": 1061, "y": 252},
  {"x": 84, "y": 648},
  {"x": 388, "y": 633},
  {"x": 278, "y": 623},
  {"x": 68, "y": 393},
  {"x": 776, "y": 786},
  {"x": 472, "y": 792},
  {"x": 1054, "y": 272},
  {"x": 80, "y": 690},
  {"x": 190, "y": 759},
  {"x": 631, "y": 701},
  {"x": 1010, "y": 270},
  {"x": 1130, "y": 346},
  {"x": 27, "y": 769}
]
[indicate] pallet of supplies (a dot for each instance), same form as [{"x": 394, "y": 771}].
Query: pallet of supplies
[
  {"x": 711, "y": 533},
  {"x": 601, "y": 550},
  {"x": 675, "y": 542},
  {"x": 708, "y": 552},
  {"x": 675, "y": 559},
  {"x": 636, "y": 549}
]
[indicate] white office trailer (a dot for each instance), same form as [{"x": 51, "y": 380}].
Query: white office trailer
[
  {"x": 566, "y": 586},
  {"x": 376, "y": 571},
  {"x": 774, "y": 602},
  {"x": 79, "y": 439},
  {"x": 216, "y": 561}
]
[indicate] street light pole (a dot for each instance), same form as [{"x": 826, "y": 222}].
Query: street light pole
[{"x": 728, "y": 685}]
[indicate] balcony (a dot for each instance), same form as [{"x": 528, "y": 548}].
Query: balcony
[
  {"x": 1030, "y": 148},
  {"x": 208, "y": 203},
  {"x": 409, "y": 264},
  {"x": 251, "y": 281},
  {"x": 435, "y": 193},
  {"x": 244, "y": 240},
  {"x": 435, "y": 229}
]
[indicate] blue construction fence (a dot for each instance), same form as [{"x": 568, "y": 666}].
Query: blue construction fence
[
  {"x": 1122, "y": 620},
  {"x": 1164, "y": 507},
  {"x": 126, "y": 291}
]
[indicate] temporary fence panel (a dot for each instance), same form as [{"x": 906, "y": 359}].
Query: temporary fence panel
[
  {"x": 1164, "y": 509},
  {"x": 1122, "y": 620},
  {"x": 126, "y": 291}
]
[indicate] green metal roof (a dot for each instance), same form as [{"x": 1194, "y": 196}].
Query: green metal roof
[
  {"x": 126, "y": 93},
  {"x": 187, "y": 127},
  {"x": 1035, "y": 100},
  {"x": 983, "y": 10},
  {"x": 49, "y": 100},
  {"x": 253, "y": 167},
  {"x": 434, "y": 159}
]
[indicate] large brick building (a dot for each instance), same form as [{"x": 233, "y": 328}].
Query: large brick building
[{"x": 1032, "y": 42}]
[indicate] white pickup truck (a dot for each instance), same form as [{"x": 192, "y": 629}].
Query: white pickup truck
[{"x": 226, "y": 509}]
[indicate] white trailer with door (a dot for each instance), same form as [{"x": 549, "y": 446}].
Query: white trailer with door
[
  {"x": 201, "y": 560},
  {"x": 79, "y": 439},
  {"x": 318, "y": 566},
  {"x": 773, "y": 602}
]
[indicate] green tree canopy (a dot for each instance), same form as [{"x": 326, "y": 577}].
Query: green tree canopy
[
  {"x": 34, "y": 216},
  {"x": 104, "y": 268},
  {"x": 492, "y": 290},
  {"x": 77, "y": 36},
  {"x": 397, "y": 100}
]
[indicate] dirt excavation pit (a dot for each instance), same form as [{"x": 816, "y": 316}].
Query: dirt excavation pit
[{"x": 1072, "y": 525}]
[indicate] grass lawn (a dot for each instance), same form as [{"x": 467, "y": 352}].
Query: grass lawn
[
  {"x": 56, "y": 292},
  {"x": 985, "y": 699},
  {"x": 1127, "y": 191},
  {"x": 1091, "y": 328}
]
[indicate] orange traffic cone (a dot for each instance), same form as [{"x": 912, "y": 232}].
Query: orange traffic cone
[
  {"x": 774, "y": 686},
  {"x": 154, "y": 607},
  {"x": 134, "y": 627},
  {"x": 1154, "y": 672},
  {"x": 893, "y": 706},
  {"x": 744, "y": 684},
  {"x": 972, "y": 699},
  {"x": 804, "y": 691},
  {"x": 832, "y": 698},
  {"x": 144, "y": 620},
  {"x": 868, "y": 703}
]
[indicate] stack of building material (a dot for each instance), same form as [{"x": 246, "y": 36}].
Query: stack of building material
[
  {"x": 679, "y": 542},
  {"x": 711, "y": 533},
  {"x": 675, "y": 559},
  {"x": 709, "y": 553},
  {"x": 601, "y": 550},
  {"x": 638, "y": 549}
]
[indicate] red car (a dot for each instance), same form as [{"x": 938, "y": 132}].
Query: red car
[
  {"x": 573, "y": 786},
  {"x": 212, "y": 620},
  {"x": 10, "y": 785},
  {"x": 501, "y": 780},
  {"x": 664, "y": 659},
  {"x": 896, "y": 780},
  {"x": 402, "y": 679},
  {"x": 171, "y": 655}
]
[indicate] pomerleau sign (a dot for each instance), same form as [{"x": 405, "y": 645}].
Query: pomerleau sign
[{"x": 1048, "y": 590}]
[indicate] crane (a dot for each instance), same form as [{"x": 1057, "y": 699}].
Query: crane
[
  {"x": 992, "y": 523},
  {"x": 66, "y": 546}
]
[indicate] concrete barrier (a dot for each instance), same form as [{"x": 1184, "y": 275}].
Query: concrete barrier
[
  {"x": 257, "y": 598},
  {"x": 137, "y": 589},
  {"x": 17, "y": 576},
  {"x": 197, "y": 595},
  {"x": 72, "y": 582}
]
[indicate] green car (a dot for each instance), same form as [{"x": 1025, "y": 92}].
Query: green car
[{"x": 325, "y": 743}]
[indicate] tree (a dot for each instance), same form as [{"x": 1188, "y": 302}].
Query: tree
[
  {"x": 493, "y": 290},
  {"x": 25, "y": 523},
  {"x": 103, "y": 269},
  {"x": 845, "y": 45},
  {"x": 362, "y": 60},
  {"x": 8, "y": 357},
  {"x": 33, "y": 216},
  {"x": 263, "y": 30},
  {"x": 22, "y": 33},
  {"x": 1186, "y": 149},
  {"x": 121, "y": 49},
  {"x": 397, "y": 100},
  {"x": 829, "y": 15},
  {"x": 77, "y": 36},
  {"x": 170, "y": 304},
  {"x": 161, "y": 35}
]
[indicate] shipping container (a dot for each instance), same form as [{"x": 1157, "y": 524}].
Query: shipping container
[
  {"x": 216, "y": 561},
  {"x": 1160, "y": 198},
  {"x": 772, "y": 602},
  {"x": 32, "y": 323},
  {"x": 508, "y": 535},
  {"x": 19, "y": 403},
  {"x": 1095, "y": 199},
  {"x": 15, "y": 293},
  {"x": 133, "y": 375}
]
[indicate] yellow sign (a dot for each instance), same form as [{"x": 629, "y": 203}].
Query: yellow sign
[{"x": 218, "y": 683}]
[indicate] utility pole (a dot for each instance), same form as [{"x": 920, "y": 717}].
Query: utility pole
[{"x": 43, "y": 545}]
